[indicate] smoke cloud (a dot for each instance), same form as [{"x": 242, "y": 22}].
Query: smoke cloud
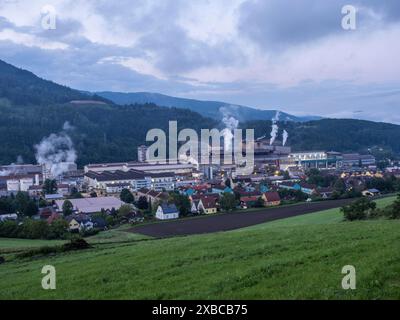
[
  {"x": 275, "y": 128},
  {"x": 56, "y": 152},
  {"x": 285, "y": 136},
  {"x": 231, "y": 123},
  {"x": 67, "y": 126},
  {"x": 12, "y": 167}
]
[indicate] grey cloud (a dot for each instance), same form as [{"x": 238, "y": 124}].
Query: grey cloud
[{"x": 277, "y": 24}]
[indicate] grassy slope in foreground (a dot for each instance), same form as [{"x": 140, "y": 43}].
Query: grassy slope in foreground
[{"x": 296, "y": 258}]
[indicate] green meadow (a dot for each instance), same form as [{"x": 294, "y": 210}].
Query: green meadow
[{"x": 295, "y": 258}]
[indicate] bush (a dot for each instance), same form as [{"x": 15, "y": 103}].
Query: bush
[
  {"x": 76, "y": 244},
  {"x": 58, "y": 230},
  {"x": 89, "y": 232},
  {"x": 393, "y": 211},
  {"x": 46, "y": 250},
  {"x": 359, "y": 210},
  {"x": 33, "y": 229},
  {"x": 9, "y": 229}
]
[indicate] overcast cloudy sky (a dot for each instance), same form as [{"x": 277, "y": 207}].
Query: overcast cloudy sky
[{"x": 288, "y": 54}]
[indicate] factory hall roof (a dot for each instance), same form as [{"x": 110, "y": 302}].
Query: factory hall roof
[
  {"x": 126, "y": 175},
  {"x": 91, "y": 205}
]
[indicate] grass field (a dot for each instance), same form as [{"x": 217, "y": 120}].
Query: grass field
[{"x": 295, "y": 258}]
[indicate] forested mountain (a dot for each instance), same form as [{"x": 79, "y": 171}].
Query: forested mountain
[
  {"x": 205, "y": 108},
  {"x": 21, "y": 87},
  {"x": 100, "y": 133},
  {"x": 344, "y": 135},
  {"x": 32, "y": 108}
]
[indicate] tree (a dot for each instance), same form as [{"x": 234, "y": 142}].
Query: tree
[
  {"x": 126, "y": 196},
  {"x": 393, "y": 211},
  {"x": 58, "y": 229},
  {"x": 359, "y": 209},
  {"x": 228, "y": 201},
  {"x": 50, "y": 186},
  {"x": 124, "y": 211},
  {"x": 340, "y": 186},
  {"x": 259, "y": 203},
  {"x": 75, "y": 194},
  {"x": 143, "y": 203},
  {"x": 67, "y": 208},
  {"x": 32, "y": 229},
  {"x": 21, "y": 201},
  {"x": 30, "y": 209},
  {"x": 182, "y": 202}
]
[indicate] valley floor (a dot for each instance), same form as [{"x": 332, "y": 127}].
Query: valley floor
[{"x": 295, "y": 258}]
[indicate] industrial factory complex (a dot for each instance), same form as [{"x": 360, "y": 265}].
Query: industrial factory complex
[
  {"x": 111, "y": 178},
  {"x": 158, "y": 189}
]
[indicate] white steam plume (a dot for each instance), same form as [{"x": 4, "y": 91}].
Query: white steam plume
[
  {"x": 12, "y": 167},
  {"x": 67, "y": 126},
  {"x": 183, "y": 158},
  {"x": 285, "y": 136},
  {"x": 231, "y": 123},
  {"x": 275, "y": 128},
  {"x": 56, "y": 152}
]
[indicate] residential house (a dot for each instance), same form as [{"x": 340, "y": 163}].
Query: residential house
[
  {"x": 99, "y": 223},
  {"x": 152, "y": 196},
  {"x": 195, "y": 207},
  {"x": 167, "y": 211},
  {"x": 309, "y": 189},
  {"x": 46, "y": 213},
  {"x": 80, "y": 222},
  {"x": 371, "y": 193},
  {"x": 271, "y": 198},
  {"x": 207, "y": 206},
  {"x": 325, "y": 193},
  {"x": 248, "y": 201},
  {"x": 54, "y": 216},
  {"x": 8, "y": 217},
  {"x": 199, "y": 196},
  {"x": 221, "y": 189},
  {"x": 290, "y": 186}
]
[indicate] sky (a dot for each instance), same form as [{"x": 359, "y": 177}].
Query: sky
[{"x": 292, "y": 55}]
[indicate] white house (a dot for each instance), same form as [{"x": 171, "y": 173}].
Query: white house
[
  {"x": 167, "y": 212},
  {"x": 6, "y": 217}
]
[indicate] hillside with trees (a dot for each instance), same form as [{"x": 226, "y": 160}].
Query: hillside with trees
[
  {"x": 32, "y": 108},
  {"x": 343, "y": 135}
]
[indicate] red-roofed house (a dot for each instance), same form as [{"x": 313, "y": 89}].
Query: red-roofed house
[
  {"x": 272, "y": 198},
  {"x": 207, "y": 206}
]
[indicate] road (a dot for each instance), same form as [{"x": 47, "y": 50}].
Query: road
[{"x": 231, "y": 221}]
